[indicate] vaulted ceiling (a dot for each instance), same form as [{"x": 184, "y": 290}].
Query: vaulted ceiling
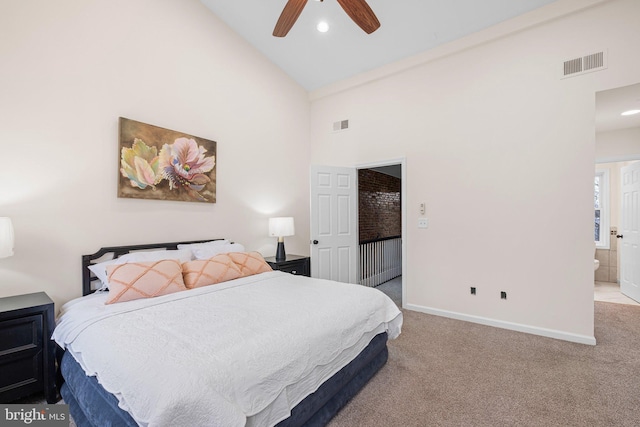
[{"x": 408, "y": 27}]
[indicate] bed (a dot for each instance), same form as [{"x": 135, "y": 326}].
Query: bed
[{"x": 266, "y": 348}]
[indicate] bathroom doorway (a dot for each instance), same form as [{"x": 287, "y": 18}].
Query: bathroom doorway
[
  {"x": 608, "y": 232},
  {"x": 617, "y": 147}
]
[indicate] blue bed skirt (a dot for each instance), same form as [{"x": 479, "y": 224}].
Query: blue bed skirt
[{"x": 91, "y": 405}]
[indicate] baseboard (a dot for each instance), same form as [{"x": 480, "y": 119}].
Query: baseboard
[{"x": 549, "y": 333}]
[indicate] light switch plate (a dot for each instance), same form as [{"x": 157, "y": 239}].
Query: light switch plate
[{"x": 423, "y": 223}]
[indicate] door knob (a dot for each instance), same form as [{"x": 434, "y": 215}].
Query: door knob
[
  {"x": 619, "y": 236},
  {"x": 315, "y": 242}
]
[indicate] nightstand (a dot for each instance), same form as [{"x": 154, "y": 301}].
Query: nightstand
[
  {"x": 27, "y": 354},
  {"x": 294, "y": 264}
]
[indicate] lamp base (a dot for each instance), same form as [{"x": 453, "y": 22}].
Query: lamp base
[{"x": 280, "y": 254}]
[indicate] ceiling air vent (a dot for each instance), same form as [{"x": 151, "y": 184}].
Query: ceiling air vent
[
  {"x": 585, "y": 64},
  {"x": 340, "y": 125}
]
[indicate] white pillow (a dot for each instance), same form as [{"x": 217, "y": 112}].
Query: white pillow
[
  {"x": 207, "y": 252},
  {"x": 183, "y": 255},
  {"x": 191, "y": 246},
  {"x": 100, "y": 269}
]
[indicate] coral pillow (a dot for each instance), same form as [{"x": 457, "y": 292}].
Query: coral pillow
[
  {"x": 219, "y": 268},
  {"x": 250, "y": 263},
  {"x": 100, "y": 269},
  {"x": 137, "y": 280}
]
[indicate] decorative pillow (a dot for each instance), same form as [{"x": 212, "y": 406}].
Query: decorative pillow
[
  {"x": 135, "y": 280},
  {"x": 100, "y": 269},
  {"x": 206, "y": 272},
  {"x": 207, "y": 252},
  {"x": 250, "y": 263}
]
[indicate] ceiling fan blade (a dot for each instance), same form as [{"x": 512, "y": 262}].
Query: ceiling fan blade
[
  {"x": 288, "y": 17},
  {"x": 361, "y": 14}
]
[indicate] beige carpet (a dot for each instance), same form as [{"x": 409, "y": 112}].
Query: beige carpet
[{"x": 444, "y": 372}]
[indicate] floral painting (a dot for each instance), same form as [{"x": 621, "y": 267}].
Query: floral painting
[{"x": 162, "y": 164}]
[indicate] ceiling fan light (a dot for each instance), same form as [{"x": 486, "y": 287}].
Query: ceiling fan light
[
  {"x": 630, "y": 112},
  {"x": 323, "y": 26}
]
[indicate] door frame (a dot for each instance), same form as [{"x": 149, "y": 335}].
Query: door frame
[{"x": 402, "y": 161}]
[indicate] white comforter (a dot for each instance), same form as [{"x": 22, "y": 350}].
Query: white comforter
[{"x": 238, "y": 353}]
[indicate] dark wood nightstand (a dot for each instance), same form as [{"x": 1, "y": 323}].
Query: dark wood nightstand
[
  {"x": 294, "y": 264},
  {"x": 27, "y": 354}
]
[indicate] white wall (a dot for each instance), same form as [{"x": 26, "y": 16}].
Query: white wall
[
  {"x": 620, "y": 144},
  {"x": 502, "y": 151},
  {"x": 70, "y": 68}
]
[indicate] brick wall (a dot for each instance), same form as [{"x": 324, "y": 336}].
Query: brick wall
[{"x": 379, "y": 205}]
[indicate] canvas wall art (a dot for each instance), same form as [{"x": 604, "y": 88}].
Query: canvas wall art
[{"x": 162, "y": 164}]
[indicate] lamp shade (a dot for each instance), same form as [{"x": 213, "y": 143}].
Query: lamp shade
[
  {"x": 281, "y": 226},
  {"x": 6, "y": 237}
]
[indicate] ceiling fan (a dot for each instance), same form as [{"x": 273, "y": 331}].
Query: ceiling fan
[{"x": 358, "y": 10}]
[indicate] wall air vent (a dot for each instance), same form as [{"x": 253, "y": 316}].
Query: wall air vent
[
  {"x": 585, "y": 64},
  {"x": 340, "y": 125}
]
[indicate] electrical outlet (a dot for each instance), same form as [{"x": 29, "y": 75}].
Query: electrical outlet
[
  {"x": 423, "y": 223},
  {"x": 473, "y": 290},
  {"x": 503, "y": 295}
]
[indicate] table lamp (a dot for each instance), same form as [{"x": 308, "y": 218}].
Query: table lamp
[{"x": 281, "y": 227}]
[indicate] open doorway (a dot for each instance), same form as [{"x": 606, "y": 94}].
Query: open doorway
[
  {"x": 609, "y": 233},
  {"x": 617, "y": 149},
  {"x": 380, "y": 228}
]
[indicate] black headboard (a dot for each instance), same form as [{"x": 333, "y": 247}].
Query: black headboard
[{"x": 117, "y": 251}]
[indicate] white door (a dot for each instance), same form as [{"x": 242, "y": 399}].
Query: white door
[
  {"x": 629, "y": 244},
  {"x": 334, "y": 223}
]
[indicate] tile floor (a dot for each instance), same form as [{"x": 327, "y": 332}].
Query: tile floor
[{"x": 610, "y": 292}]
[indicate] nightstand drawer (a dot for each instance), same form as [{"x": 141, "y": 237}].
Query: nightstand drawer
[
  {"x": 295, "y": 268},
  {"x": 22, "y": 375},
  {"x": 20, "y": 334},
  {"x": 21, "y": 354}
]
